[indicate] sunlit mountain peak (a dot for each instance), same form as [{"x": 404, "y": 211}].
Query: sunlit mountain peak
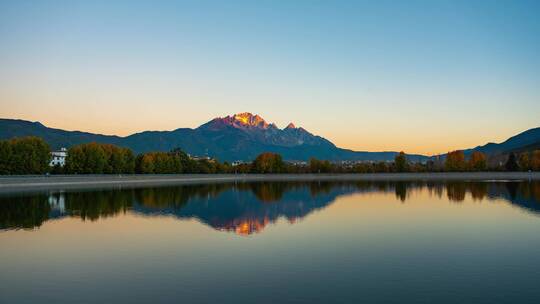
[
  {"x": 249, "y": 119},
  {"x": 290, "y": 126}
]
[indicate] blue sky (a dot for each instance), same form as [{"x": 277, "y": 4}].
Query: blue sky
[{"x": 419, "y": 76}]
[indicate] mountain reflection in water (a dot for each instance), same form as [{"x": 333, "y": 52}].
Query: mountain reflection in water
[{"x": 243, "y": 208}]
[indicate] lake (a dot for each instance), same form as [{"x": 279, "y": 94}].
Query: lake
[{"x": 274, "y": 242}]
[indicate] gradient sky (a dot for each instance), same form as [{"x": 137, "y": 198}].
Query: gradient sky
[{"x": 419, "y": 76}]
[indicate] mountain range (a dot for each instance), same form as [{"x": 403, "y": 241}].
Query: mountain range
[{"x": 239, "y": 137}]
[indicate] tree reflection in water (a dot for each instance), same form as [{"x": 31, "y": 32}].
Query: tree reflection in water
[{"x": 244, "y": 208}]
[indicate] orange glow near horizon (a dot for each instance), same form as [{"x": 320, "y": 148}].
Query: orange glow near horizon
[{"x": 370, "y": 138}]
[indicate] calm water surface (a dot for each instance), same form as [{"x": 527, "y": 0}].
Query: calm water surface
[{"x": 344, "y": 242}]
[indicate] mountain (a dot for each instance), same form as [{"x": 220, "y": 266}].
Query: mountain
[
  {"x": 259, "y": 130},
  {"x": 524, "y": 141},
  {"x": 241, "y": 136},
  {"x": 56, "y": 138}
]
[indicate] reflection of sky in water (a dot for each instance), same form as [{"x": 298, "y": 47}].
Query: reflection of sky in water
[{"x": 333, "y": 242}]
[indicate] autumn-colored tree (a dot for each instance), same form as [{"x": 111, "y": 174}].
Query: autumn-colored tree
[
  {"x": 535, "y": 160},
  {"x": 400, "y": 162},
  {"x": 145, "y": 163},
  {"x": 159, "y": 163},
  {"x": 477, "y": 161},
  {"x": 119, "y": 160},
  {"x": 268, "y": 163},
  {"x": 455, "y": 161},
  {"x": 524, "y": 162}
]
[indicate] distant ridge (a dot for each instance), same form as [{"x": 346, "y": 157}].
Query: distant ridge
[
  {"x": 240, "y": 136},
  {"x": 527, "y": 140}
]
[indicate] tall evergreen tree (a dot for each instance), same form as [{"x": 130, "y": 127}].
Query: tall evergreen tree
[{"x": 401, "y": 162}]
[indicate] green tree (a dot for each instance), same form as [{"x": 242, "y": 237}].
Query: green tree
[
  {"x": 319, "y": 166},
  {"x": 27, "y": 155},
  {"x": 162, "y": 163},
  {"x": 5, "y": 157},
  {"x": 129, "y": 161},
  {"x": 75, "y": 160},
  {"x": 95, "y": 158}
]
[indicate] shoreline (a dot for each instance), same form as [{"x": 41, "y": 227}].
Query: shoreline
[{"x": 73, "y": 182}]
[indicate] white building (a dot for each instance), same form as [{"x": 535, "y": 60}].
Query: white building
[{"x": 58, "y": 157}]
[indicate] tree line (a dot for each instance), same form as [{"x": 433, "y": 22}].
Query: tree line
[
  {"x": 31, "y": 155},
  {"x": 26, "y": 155},
  {"x": 94, "y": 158}
]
